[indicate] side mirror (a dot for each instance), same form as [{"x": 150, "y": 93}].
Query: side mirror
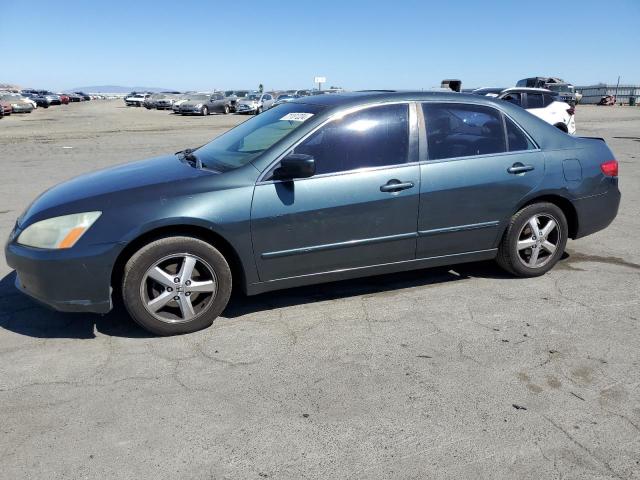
[{"x": 295, "y": 165}]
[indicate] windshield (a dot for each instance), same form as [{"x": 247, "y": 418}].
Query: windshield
[
  {"x": 199, "y": 97},
  {"x": 252, "y": 97},
  {"x": 242, "y": 144}
]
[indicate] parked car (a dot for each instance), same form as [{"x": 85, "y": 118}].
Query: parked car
[
  {"x": 285, "y": 98},
  {"x": 342, "y": 172},
  {"x": 39, "y": 100},
  {"x": 166, "y": 100},
  {"x": 234, "y": 96},
  {"x": 136, "y": 99},
  {"x": 6, "y": 108},
  {"x": 488, "y": 91},
  {"x": 51, "y": 98},
  {"x": 564, "y": 92},
  {"x": 204, "y": 104},
  {"x": 150, "y": 101},
  {"x": 255, "y": 103},
  {"x": 85, "y": 96},
  {"x": 18, "y": 105},
  {"x": 607, "y": 100},
  {"x": 543, "y": 104},
  {"x": 74, "y": 97},
  {"x": 179, "y": 101},
  {"x": 64, "y": 98}
]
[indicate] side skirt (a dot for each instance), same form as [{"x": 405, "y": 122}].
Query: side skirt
[{"x": 381, "y": 269}]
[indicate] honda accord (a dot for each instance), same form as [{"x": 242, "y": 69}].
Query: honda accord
[{"x": 318, "y": 189}]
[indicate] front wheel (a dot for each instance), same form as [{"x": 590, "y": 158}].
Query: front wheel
[
  {"x": 226, "y": 109},
  {"x": 258, "y": 110},
  {"x": 204, "y": 112},
  {"x": 176, "y": 285},
  {"x": 534, "y": 240}
]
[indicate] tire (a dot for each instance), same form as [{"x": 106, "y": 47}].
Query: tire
[
  {"x": 226, "y": 109},
  {"x": 178, "y": 314},
  {"x": 205, "y": 111},
  {"x": 516, "y": 250},
  {"x": 258, "y": 110},
  {"x": 562, "y": 126}
]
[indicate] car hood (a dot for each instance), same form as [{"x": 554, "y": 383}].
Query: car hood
[
  {"x": 113, "y": 187},
  {"x": 248, "y": 102}
]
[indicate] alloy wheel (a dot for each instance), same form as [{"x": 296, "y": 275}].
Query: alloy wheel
[
  {"x": 538, "y": 240},
  {"x": 178, "y": 288}
]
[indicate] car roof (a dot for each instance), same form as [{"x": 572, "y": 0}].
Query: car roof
[
  {"x": 382, "y": 96},
  {"x": 527, "y": 89}
]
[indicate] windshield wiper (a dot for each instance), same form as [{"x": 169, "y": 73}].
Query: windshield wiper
[{"x": 190, "y": 157}]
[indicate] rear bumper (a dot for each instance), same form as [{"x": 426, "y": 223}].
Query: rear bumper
[
  {"x": 597, "y": 212},
  {"x": 73, "y": 280}
]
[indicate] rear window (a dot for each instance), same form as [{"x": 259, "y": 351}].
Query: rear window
[{"x": 534, "y": 100}]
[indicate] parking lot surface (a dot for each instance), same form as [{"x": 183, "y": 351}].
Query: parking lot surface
[{"x": 459, "y": 372}]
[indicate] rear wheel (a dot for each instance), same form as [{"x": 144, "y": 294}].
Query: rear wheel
[
  {"x": 176, "y": 285},
  {"x": 534, "y": 240}
]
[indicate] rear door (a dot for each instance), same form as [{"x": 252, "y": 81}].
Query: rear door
[
  {"x": 476, "y": 168},
  {"x": 359, "y": 209}
]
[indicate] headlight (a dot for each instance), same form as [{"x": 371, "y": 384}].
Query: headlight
[
  {"x": 58, "y": 232},
  {"x": 14, "y": 105},
  {"x": 199, "y": 105}
]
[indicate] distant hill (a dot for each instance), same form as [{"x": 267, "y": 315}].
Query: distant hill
[{"x": 115, "y": 89}]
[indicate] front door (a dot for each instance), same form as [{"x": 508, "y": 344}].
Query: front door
[
  {"x": 478, "y": 167},
  {"x": 359, "y": 209}
]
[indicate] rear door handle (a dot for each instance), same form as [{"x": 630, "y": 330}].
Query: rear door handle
[
  {"x": 520, "y": 168},
  {"x": 395, "y": 186}
]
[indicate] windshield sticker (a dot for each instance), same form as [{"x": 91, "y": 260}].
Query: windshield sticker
[{"x": 297, "y": 117}]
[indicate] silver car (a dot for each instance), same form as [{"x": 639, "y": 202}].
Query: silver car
[{"x": 255, "y": 103}]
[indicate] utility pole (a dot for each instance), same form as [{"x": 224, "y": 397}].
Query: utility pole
[{"x": 617, "y": 85}]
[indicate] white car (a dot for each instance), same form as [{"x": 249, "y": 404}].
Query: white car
[
  {"x": 255, "y": 103},
  {"x": 543, "y": 104},
  {"x": 136, "y": 99}
]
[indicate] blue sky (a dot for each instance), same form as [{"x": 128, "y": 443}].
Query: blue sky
[{"x": 199, "y": 44}]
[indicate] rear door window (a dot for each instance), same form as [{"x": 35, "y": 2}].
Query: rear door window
[{"x": 459, "y": 130}]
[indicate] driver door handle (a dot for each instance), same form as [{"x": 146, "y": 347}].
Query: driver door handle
[
  {"x": 520, "y": 168},
  {"x": 395, "y": 186}
]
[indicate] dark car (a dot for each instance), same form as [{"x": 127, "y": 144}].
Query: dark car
[
  {"x": 488, "y": 91},
  {"x": 320, "y": 189},
  {"x": 85, "y": 96},
  {"x": 204, "y": 104},
  {"x": 40, "y": 100},
  {"x": 74, "y": 97}
]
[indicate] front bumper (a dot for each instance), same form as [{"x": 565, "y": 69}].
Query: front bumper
[
  {"x": 72, "y": 280},
  {"x": 22, "y": 109},
  {"x": 242, "y": 108},
  {"x": 190, "y": 110}
]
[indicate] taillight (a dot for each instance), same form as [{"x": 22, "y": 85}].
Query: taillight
[
  {"x": 610, "y": 168},
  {"x": 571, "y": 111}
]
